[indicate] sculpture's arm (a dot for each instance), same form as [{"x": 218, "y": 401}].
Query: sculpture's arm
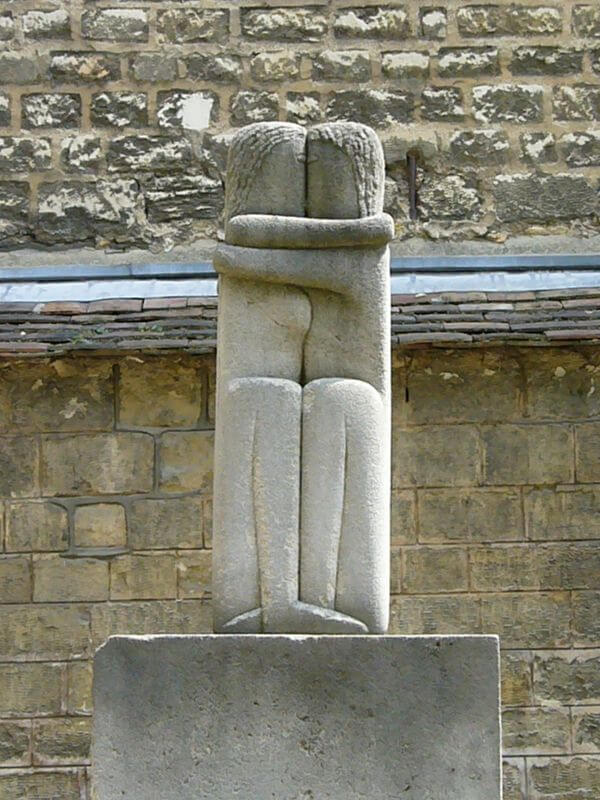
[
  {"x": 306, "y": 233},
  {"x": 333, "y": 270}
]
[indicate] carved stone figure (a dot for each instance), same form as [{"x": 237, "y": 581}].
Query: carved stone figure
[{"x": 302, "y": 452}]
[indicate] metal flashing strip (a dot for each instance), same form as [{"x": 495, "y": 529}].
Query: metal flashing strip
[{"x": 202, "y": 270}]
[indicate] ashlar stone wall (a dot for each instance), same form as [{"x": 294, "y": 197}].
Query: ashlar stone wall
[
  {"x": 105, "y": 527},
  {"x": 114, "y": 114}
]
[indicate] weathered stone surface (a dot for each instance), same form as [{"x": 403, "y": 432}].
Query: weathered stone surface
[
  {"x": 586, "y": 618},
  {"x": 342, "y": 65},
  {"x": 14, "y": 743},
  {"x": 61, "y": 741},
  {"x": 442, "y": 103},
  {"x": 579, "y": 102},
  {"x": 47, "y": 24},
  {"x": 303, "y": 108},
  {"x": 51, "y": 632},
  {"x": 403, "y": 522},
  {"x": 546, "y": 61},
  {"x": 24, "y": 154},
  {"x": 433, "y": 22},
  {"x": 7, "y": 26},
  {"x": 182, "y": 25},
  {"x": 19, "y": 466},
  {"x": 99, "y": 525},
  {"x": 517, "y": 680},
  {"x": 15, "y": 579},
  {"x": 527, "y": 619},
  {"x": 185, "y": 461},
  {"x": 194, "y": 574},
  {"x": 176, "y": 389},
  {"x": 568, "y": 678},
  {"x": 14, "y": 202},
  {"x": 57, "y": 579},
  {"x": 508, "y": 103},
  {"x": 563, "y": 777},
  {"x": 460, "y": 62},
  {"x": 513, "y": 779},
  {"x": 275, "y": 65},
  {"x": 143, "y": 577},
  {"x": 538, "y": 148},
  {"x": 528, "y": 731},
  {"x": 516, "y": 454},
  {"x": 84, "y": 67},
  {"x": 559, "y": 514},
  {"x": 372, "y": 22},
  {"x": 377, "y": 107},
  {"x": 162, "y": 524},
  {"x": 586, "y": 730},
  {"x": 148, "y": 153},
  {"x": 118, "y": 463},
  {"x": 79, "y": 687},
  {"x": 221, "y": 67},
  {"x": 513, "y": 20},
  {"x": 36, "y": 527},
  {"x": 586, "y": 21},
  {"x": 183, "y": 197},
  {"x": 452, "y": 197},
  {"x": 284, "y": 24},
  {"x": 435, "y": 569},
  {"x": 247, "y": 107},
  {"x": 115, "y": 24},
  {"x": 82, "y": 153},
  {"x": 454, "y": 456},
  {"x": 51, "y": 110},
  {"x": 581, "y": 148},
  {"x": 182, "y": 109},
  {"x": 73, "y": 210},
  {"x": 119, "y": 109},
  {"x": 541, "y": 198},
  {"x": 405, "y": 65},
  {"x": 153, "y": 67},
  {"x": 587, "y": 464},
  {"x": 17, "y": 68},
  {"x": 475, "y": 515},
  {"x": 5, "y": 114},
  {"x": 435, "y": 614},
  {"x": 483, "y": 146},
  {"x": 28, "y": 690},
  {"x": 301, "y": 728},
  {"x": 64, "y": 784}
]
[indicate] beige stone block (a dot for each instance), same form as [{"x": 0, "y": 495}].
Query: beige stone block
[
  {"x": 563, "y": 514},
  {"x": 464, "y": 386},
  {"x": 529, "y": 731},
  {"x": 46, "y": 785},
  {"x": 561, "y": 384},
  {"x": 396, "y": 570},
  {"x": 444, "y": 455},
  {"x": 159, "y": 616},
  {"x": 30, "y": 690},
  {"x": 100, "y": 525},
  {"x": 36, "y": 526},
  {"x": 59, "y": 579},
  {"x": 570, "y": 678},
  {"x": 194, "y": 574},
  {"x": 517, "y": 678},
  {"x": 15, "y": 579},
  {"x": 44, "y": 633},
  {"x": 61, "y": 742},
  {"x": 435, "y": 569},
  {"x": 527, "y": 619},
  {"x": 64, "y": 395},
  {"x": 207, "y": 514},
  {"x": 15, "y": 739},
  {"x": 587, "y": 457},
  {"x": 402, "y": 517},
  {"x": 567, "y": 778},
  {"x": 469, "y": 515},
  {"x": 79, "y": 687},
  {"x": 574, "y": 565},
  {"x": 175, "y": 386},
  {"x": 143, "y": 577},
  {"x": 586, "y": 729},
  {"x": 186, "y": 461},
  {"x": 167, "y": 523},
  {"x": 586, "y": 618},
  {"x": 513, "y": 779},
  {"x": 19, "y": 466},
  {"x": 435, "y": 614},
  {"x": 103, "y": 463},
  {"x": 522, "y": 454}
]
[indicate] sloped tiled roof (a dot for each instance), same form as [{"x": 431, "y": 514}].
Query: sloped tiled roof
[{"x": 554, "y": 316}]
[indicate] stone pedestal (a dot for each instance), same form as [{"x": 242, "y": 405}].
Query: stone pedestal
[{"x": 287, "y": 717}]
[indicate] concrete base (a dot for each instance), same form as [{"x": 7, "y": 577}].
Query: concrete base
[{"x": 297, "y": 718}]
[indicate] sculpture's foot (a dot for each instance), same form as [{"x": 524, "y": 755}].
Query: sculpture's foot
[
  {"x": 305, "y": 618},
  {"x": 248, "y": 622}
]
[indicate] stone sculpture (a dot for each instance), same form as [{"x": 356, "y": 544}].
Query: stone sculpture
[{"x": 302, "y": 451}]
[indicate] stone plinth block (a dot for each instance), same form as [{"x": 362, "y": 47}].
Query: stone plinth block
[{"x": 296, "y": 717}]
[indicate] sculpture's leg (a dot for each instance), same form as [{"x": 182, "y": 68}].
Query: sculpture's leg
[
  {"x": 257, "y": 473},
  {"x": 344, "y": 511}
]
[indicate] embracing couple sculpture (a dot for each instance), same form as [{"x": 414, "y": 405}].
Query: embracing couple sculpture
[{"x": 302, "y": 453}]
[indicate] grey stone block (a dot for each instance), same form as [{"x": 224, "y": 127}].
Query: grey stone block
[{"x": 297, "y": 718}]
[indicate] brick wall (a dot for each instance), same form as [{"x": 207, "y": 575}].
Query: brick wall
[
  {"x": 105, "y": 480},
  {"x": 113, "y": 114}
]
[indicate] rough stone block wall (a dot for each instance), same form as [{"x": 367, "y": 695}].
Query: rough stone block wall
[
  {"x": 105, "y": 527},
  {"x": 114, "y": 114}
]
